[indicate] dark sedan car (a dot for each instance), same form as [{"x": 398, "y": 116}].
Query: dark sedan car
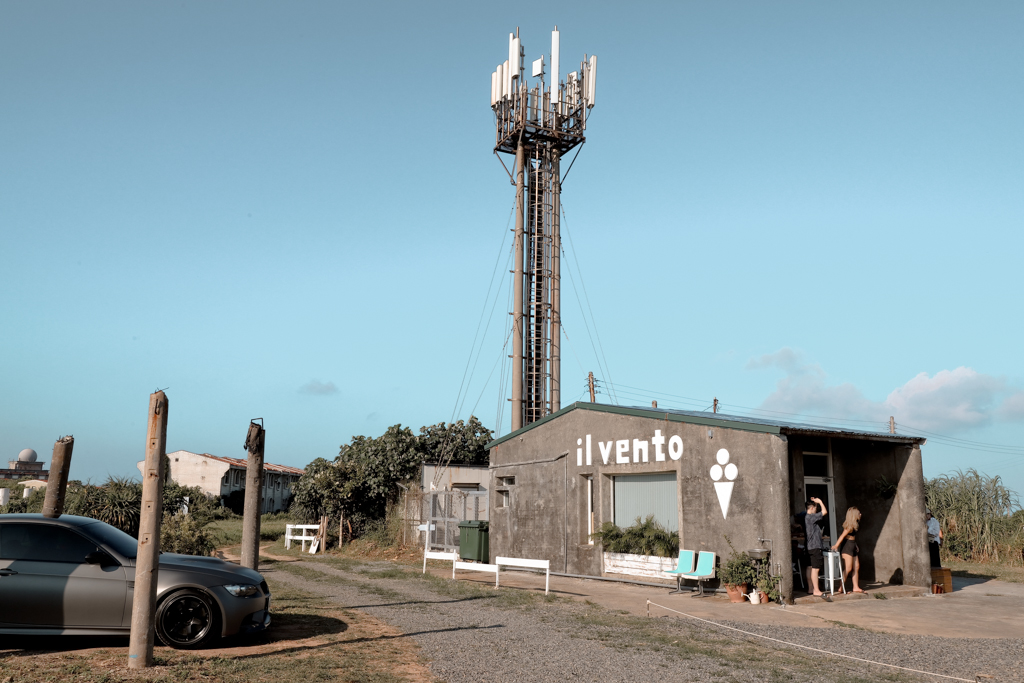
[{"x": 76, "y": 576}]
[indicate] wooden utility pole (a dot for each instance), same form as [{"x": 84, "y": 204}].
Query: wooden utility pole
[
  {"x": 254, "y": 442},
  {"x": 654, "y": 404},
  {"x": 714, "y": 406},
  {"x": 892, "y": 424},
  {"x": 590, "y": 384},
  {"x": 57, "y": 484},
  {"x": 147, "y": 560}
]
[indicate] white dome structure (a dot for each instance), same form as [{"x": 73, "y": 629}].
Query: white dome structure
[{"x": 28, "y": 455}]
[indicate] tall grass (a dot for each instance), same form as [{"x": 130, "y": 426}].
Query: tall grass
[{"x": 980, "y": 517}]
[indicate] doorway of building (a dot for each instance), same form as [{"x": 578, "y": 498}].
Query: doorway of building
[{"x": 818, "y": 484}]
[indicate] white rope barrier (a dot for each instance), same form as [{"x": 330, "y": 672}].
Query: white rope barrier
[{"x": 806, "y": 647}]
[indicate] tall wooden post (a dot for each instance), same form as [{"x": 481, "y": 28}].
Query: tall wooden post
[
  {"x": 57, "y": 483},
  {"x": 254, "y": 442},
  {"x": 147, "y": 560}
]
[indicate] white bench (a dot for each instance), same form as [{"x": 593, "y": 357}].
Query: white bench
[
  {"x": 288, "y": 537},
  {"x": 477, "y": 567},
  {"x": 452, "y": 557},
  {"x": 495, "y": 568},
  {"x": 528, "y": 564}
]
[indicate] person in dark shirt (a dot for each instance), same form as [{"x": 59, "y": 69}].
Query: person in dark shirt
[{"x": 815, "y": 544}]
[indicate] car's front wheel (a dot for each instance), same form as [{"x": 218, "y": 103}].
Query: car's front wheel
[{"x": 186, "y": 619}]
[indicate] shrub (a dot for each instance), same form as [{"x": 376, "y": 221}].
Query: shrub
[
  {"x": 739, "y": 569},
  {"x": 186, "y": 534},
  {"x": 17, "y": 504},
  {"x": 645, "y": 537}
]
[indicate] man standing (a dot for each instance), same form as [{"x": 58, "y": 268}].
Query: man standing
[
  {"x": 934, "y": 538},
  {"x": 815, "y": 545}
]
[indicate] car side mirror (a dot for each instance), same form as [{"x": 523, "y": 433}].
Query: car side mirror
[{"x": 99, "y": 557}]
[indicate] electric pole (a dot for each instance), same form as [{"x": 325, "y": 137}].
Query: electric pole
[
  {"x": 714, "y": 406},
  {"x": 254, "y": 443},
  {"x": 590, "y": 385},
  {"x": 53, "y": 504},
  {"x": 892, "y": 424},
  {"x": 147, "y": 560}
]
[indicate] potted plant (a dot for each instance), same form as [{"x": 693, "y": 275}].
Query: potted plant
[
  {"x": 766, "y": 583},
  {"x": 737, "y": 574},
  {"x": 644, "y": 549}
]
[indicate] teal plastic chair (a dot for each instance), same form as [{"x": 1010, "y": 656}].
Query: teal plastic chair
[
  {"x": 686, "y": 566},
  {"x": 704, "y": 570}
]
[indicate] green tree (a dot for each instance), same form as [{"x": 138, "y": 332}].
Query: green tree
[{"x": 463, "y": 442}]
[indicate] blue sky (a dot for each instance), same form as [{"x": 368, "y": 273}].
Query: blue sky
[{"x": 292, "y": 211}]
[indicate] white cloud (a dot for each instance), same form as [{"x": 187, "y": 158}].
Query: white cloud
[
  {"x": 1012, "y": 408},
  {"x": 948, "y": 401},
  {"x": 317, "y": 388}
]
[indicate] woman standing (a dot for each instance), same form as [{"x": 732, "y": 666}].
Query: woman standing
[{"x": 847, "y": 547}]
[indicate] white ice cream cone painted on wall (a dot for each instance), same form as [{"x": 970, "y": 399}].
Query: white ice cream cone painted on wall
[{"x": 724, "y": 488}]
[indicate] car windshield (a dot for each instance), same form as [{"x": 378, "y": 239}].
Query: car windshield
[{"x": 122, "y": 543}]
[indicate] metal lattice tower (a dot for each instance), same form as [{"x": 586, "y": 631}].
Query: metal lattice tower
[{"x": 538, "y": 123}]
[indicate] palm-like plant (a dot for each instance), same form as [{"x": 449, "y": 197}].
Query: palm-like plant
[{"x": 977, "y": 514}]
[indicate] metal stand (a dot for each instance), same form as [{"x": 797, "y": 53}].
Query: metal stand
[{"x": 833, "y": 560}]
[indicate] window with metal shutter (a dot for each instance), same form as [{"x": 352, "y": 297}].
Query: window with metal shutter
[{"x": 639, "y": 495}]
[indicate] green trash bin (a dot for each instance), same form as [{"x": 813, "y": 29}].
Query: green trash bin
[{"x": 474, "y": 543}]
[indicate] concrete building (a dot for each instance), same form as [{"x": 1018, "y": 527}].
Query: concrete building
[
  {"x": 466, "y": 478},
  {"x": 219, "y": 477},
  {"x": 707, "y": 476},
  {"x": 25, "y": 467}
]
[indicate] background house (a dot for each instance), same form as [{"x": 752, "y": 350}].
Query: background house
[
  {"x": 26, "y": 466},
  {"x": 219, "y": 477}
]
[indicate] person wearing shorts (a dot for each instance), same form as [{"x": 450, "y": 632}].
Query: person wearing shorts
[
  {"x": 848, "y": 548},
  {"x": 814, "y": 542}
]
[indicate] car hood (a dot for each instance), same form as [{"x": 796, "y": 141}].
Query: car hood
[{"x": 213, "y": 566}]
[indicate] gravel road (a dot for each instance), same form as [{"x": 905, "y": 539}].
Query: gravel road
[{"x": 471, "y": 633}]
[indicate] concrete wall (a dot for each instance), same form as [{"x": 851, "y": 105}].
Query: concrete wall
[
  {"x": 192, "y": 469},
  {"x": 547, "y": 515},
  {"x": 457, "y": 476}
]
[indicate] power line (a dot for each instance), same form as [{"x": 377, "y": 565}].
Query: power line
[
  {"x": 486, "y": 327},
  {"x": 579, "y": 271},
  {"x": 487, "y": 297}
]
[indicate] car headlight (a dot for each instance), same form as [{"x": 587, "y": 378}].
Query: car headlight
[{"x": 242, "y": 590}]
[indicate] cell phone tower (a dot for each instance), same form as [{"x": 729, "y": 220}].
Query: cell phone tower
[{"x": 538, "y": 121}]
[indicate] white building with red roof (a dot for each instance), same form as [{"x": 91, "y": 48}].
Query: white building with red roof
[{"x": 219, "y": 477}]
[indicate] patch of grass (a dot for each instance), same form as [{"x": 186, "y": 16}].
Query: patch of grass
[
  {"x": 388, "y": 573},
  {"x": 312, "y": 574},
  {"x": 987, "y": 570},
  {"x": 228, "y": 531},
  {"x": 881, "y": 596}
]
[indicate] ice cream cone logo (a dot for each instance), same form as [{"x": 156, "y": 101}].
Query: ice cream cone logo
[{"x": 724, "y": 488}]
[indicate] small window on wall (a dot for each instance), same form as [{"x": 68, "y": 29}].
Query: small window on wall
[
  {"x": 506, "y": 481},
  {"x": 816, "y": 465},
  {"x": 503, "y": 499}
]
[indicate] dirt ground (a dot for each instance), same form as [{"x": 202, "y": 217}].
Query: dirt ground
[{"x": 309, "y": 640}]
